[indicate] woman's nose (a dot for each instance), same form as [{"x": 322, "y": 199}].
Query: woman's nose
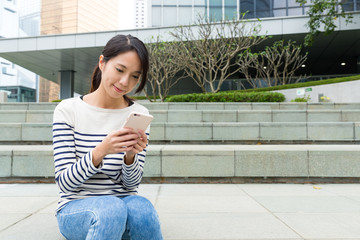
[{"x": 124, "y": 80}]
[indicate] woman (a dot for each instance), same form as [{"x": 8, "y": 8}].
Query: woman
[{"x": 98, "y": 164}]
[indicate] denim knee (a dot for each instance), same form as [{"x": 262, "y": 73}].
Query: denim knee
[
  {"x": 93, "y": 218},
  {"x": 111, "y": 209},
  {"x": 143, "y": 221}
]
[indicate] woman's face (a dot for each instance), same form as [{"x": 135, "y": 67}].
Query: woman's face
[{"x": 120, "y": 74}]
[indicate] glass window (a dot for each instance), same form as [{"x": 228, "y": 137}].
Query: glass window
[
  {"x": 295, "y": 11},
  {"x": 185, "y": 14},
  {"x": 156, "y": 16},
  {"x": 293, "y": 3},
  {"x": 156, "y": 2},
  {"x": 170, "y": 2},
  {"x": 216, "y": 3},
  {"x": 185, "y": 2},
  {"x": 199, "y": 11},
  {"x": 348, "y": 5},
  {"x": 357, "y": 5},
  {"x": 230, "y": 13},
  {"x": 279, "y": 3},
  {"x": 215, "y": 13},
  {"x": 200, "y": 2},
  {"x": 262, "y": 5},
  {"x": 306, "y": 9},
  {"x": 231, "y": 3},
  {"x": 279, "y": 12},
  {"x": 170, "y": 16},
  {"x": 247, "y": 6},
  {"x": 262, "y": 8}
]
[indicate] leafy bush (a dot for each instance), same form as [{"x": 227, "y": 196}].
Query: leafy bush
[
  {"x": 228, "y": 97},
  {"x": 301, "y": 99}
]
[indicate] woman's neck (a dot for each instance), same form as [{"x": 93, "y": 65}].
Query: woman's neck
[{"x": 102, "y": 100}]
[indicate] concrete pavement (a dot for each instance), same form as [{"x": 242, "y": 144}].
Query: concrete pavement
[{"x": 207, "y": 211}]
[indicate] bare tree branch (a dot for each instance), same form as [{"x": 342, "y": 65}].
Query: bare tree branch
[
  {"x": 276, "y": 65},
  {"x": 164, "y": 71},
  {"x": 210, "y": 48}
]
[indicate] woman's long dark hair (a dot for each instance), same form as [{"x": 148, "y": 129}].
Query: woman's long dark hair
[{"x": 121, "y": 44}]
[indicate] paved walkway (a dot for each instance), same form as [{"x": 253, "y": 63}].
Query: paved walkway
[{"x": 207, "y": 211}]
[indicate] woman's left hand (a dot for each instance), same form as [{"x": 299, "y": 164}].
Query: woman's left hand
[{"x": 136, "y": 148}]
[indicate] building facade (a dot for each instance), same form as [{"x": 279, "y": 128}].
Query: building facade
[
  {"x": 18, "y": 82},
  {"x": 178, "y": 12},
  {"x": 73, "y": 16},
  {"x": 337, "y": 54},
  {"x": 142, "y": 8}
]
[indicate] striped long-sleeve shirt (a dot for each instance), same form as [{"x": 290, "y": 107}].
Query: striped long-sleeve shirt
[{"x": 77, "y": 128}]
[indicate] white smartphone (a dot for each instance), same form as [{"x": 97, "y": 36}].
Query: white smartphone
[{"x": 137, "y": 121}]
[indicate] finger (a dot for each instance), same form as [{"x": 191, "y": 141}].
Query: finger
[
  {"x": 141, "y": 144},
  {"x": 124, "y": 131},
  {"x": 142, "y": 134},
  {"x": 127, "y": 149},
  {"x": 143, "y": 137},
  {"x": 127, "y": 137},
  {"x": 126, "y": 144},
  {"x": 138, "y": 147}
]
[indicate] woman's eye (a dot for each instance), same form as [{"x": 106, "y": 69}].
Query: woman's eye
[
  {"x": 119, "y": 70},
  {"x": 136, "y": 77}
]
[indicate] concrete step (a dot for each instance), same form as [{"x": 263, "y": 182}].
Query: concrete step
[
  {"x": 204, "y": 106},
  {"x": 209, "y": 132},
  {"x": 249, "y": 106},
  {"x": 161, "y": 116},
  {"x": 45, "y": 116},
  {"x": 27, "y": 106},
  {"x": 208, "y": 161},
  {"x": 26, "y": 116},
  {"x": 256, "y": 115}
]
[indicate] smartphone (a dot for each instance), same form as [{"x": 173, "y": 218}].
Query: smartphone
[{"x": 137, "y": 121}]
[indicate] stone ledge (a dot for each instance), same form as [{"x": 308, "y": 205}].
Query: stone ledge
[
  {"x": 209, "y": 161},
  {"x": 206, "y": 131},
  {"x": 199, "y": 116},
  {"x": 203, "y": 106}
]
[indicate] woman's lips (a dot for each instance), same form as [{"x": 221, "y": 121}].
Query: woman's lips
[{"x": 118, "y": 89}]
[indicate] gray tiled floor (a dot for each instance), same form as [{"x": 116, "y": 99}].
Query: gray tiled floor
[{"x": 207, "y": 211}]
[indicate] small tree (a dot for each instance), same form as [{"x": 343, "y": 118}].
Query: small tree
[
  {"x": 323, "y": 12},
  {"x": 163, "y": 67},
  {"x": 209, "y": 48},
  {"x": 276, "y": 65}
]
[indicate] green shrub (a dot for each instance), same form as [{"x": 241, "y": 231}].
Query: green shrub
[
  {"x": 301, "y": 99},
  {"x": 228, "y": 97}
]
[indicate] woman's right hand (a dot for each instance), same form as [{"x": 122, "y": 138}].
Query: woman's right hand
[{"x": 122, "y": 140}]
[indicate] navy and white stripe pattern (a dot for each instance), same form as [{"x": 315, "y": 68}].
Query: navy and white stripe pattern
[{"x": 75, "y": 174}]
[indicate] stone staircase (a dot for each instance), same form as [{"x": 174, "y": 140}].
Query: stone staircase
[{"x": 209, "y": 140}]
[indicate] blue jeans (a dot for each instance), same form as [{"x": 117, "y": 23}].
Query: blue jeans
[{"x": 108, "y": 218}]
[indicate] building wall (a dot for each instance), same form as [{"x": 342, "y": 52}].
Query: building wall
[
  {"x": 9, "y": 18},
  {"x": 337, "y": 92},
  {"x": 74, "y": 16},
  {"x": 94, "y": 15},
  {"x": 140, "y": 14}
]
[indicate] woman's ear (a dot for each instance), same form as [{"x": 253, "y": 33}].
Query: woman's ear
[{"x": 101, "y": 62}]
